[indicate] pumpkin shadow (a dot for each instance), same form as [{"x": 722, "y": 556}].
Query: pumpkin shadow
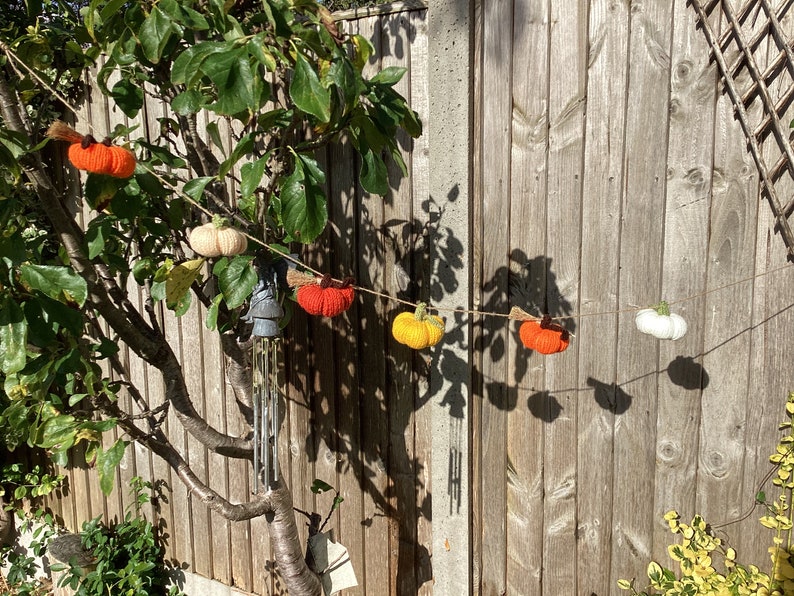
[
  {"x": 544, "y": 406},
  {"x": 685, "y": 372},
  {"x": 610, "y": 396}
]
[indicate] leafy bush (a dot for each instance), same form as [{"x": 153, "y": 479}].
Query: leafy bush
[
  {"x": 128, "y": 556},
  {"x": 708, "y": 565},
  {"x": 21, "y": 489}
]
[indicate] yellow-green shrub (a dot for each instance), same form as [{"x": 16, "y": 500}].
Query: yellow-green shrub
[{"x": 708, "y": 566}]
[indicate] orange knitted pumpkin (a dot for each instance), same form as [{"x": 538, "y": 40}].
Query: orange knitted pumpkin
[
  {"x": 327, "y": 298},
  {"x": 544, "y": 336},
  {"x": 99, "y": 158}
]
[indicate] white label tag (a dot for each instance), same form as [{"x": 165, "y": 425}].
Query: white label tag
[{"x": 333, "y": 561}]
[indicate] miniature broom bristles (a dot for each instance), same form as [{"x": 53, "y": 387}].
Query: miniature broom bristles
[
  {"x": 63, "y": 132},
  {"x": 295, "y": 279}
]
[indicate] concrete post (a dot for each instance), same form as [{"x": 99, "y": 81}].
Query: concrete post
[{"x": 450, "y": 133}]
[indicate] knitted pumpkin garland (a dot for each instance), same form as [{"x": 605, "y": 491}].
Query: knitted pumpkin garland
[
  {"x": 327, "y": 297},
  {"x": 87, "y": 154},
  {"x": 544, "y": 336}
]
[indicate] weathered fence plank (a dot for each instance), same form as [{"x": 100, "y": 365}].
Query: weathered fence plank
[
  {"x": 525, "y": 423},
  {"x": 373, "y": 314},
  {"x": 494, "y": 248},
  {"x": 641, "y": 238},
  {"x": 600, "y": 399},
  {"x": 567, "y": 53},
  {"x": 679, "y": 371}
]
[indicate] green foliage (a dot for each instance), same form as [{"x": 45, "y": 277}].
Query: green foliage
[
  {"x": 22, "y": 567},
  {"x": 128, "y": 556},
  {"x": 274, "y": 79},
  {"x": 21, "y": 489},
  {"x": 707, "y": 565},
  {"x": 348, "y": 4},
  {"x": 19, "y": 485}
]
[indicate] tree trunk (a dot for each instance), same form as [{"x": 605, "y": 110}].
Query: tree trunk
[{"x": 287, "y": 549}]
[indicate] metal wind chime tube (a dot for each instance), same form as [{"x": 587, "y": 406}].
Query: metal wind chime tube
[
  {"x": 257, "y": 405},
  {"x": 274, "y": 409},
  {"x": 265, "y": 312}
]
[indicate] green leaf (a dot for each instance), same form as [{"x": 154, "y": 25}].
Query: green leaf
[
  {"x": 215, "y": 136},
  {"x": 237, "y": 280},
  {"x": 184, "y": 15},
  {"x": 212, "y": 313},
  {"x": 258, "y": 48},
  {"x": 155, "y": 33},
  {"x": 280, "y": 118},
  {"x": 389, "y": 75},
  {"x": 195, "y": 187},
  {"x": 58, "y": 432},
  {"x": 374, "y": 175},
  {"x": 349, "y": 82},
  {"x": 231, "y": 74},
  {"x": 308, "y": 93},
  {"x": 41, "y": 330},
  {"x": 188, "y": 102},
  {"x": 96, "y": 235},
  {"x": 320, "y": 486},
  {"x": 110, "y": 9},
  {"x": 186, "y": 69},
  {"x": 106, "y": 463},
  {"x": 151, "y": 184},
  {"x": 61, "y": 283},
  {"x": 302, "y": 205},
  {"x": 162, "y": 155},
  {"x": 244, "y": 147},
  {"x": 654, "y": 573},
  {"x": 128, "y": 96},
  {"x": 251, "y": 176},
  {"x": 62, "y": 314},
  {"x": 364, "y": 50},
  {"x": 100, "y": 190},
  {"x": 13, "y": 337}
]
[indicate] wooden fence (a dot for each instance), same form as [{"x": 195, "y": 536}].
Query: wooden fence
[
  {"x": 606, "y": 147},
  {"x": 608, "y": 172}
]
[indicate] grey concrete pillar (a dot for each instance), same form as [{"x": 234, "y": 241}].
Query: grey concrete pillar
[{"x": 449, "y": 129}]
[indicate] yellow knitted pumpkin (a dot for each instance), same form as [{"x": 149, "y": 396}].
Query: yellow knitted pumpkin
[{"x": 418, "y": 330}]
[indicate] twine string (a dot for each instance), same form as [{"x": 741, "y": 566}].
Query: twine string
[{"x": 388, "y": 297}]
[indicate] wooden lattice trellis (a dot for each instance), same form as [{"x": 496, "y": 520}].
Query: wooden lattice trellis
[{"x": 745, "y": 28}]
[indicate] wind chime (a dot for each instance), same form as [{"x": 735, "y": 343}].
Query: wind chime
[{"x": 265, "y": 312}]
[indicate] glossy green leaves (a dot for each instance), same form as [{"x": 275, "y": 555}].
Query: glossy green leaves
[
  {"x": 308, "y": 93},
  {"x": 301, "y": 205}
]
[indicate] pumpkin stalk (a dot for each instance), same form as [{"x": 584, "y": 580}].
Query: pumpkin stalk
[
  {"x": 420, "y": 314},
  {"x": 663, "y": 308},
  {"x": 219, "y": 221}
]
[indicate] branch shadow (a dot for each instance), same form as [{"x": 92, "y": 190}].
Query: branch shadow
[{"x": 365, "y": 392}]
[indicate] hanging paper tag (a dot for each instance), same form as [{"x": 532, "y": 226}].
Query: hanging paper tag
[{"x": 333, "y": 561}]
